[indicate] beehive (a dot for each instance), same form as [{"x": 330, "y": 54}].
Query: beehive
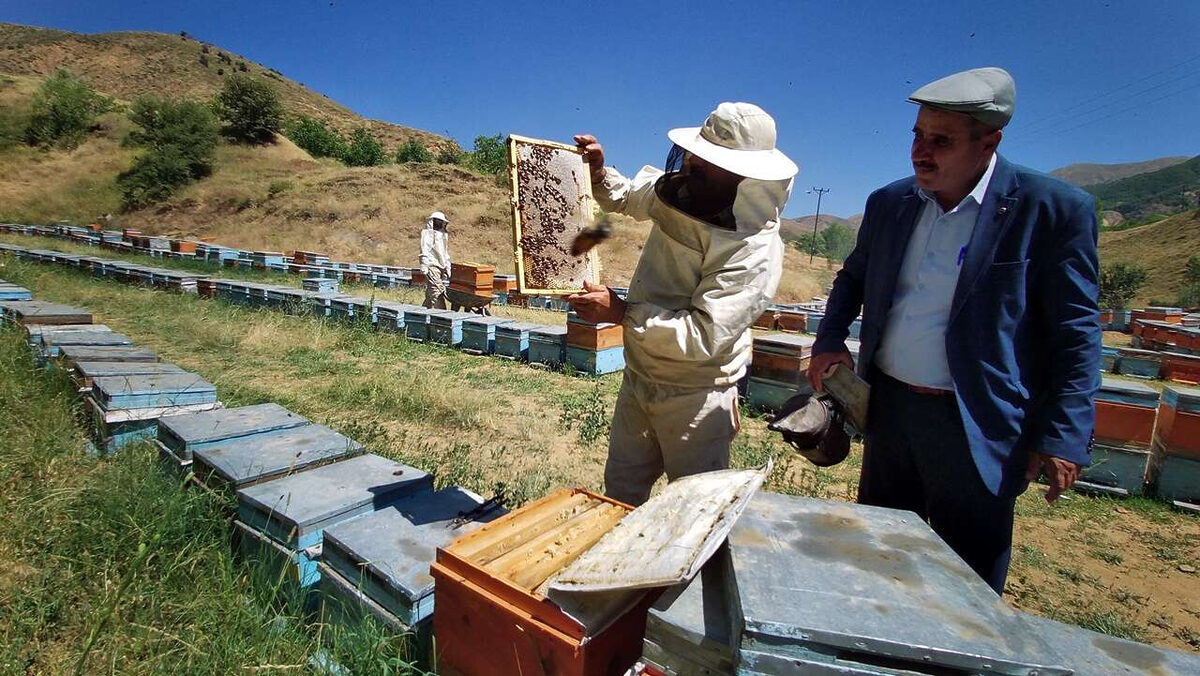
[
  {"x": 512, "y": 340},
  {"x": 41, "y": 312},
  {"x": 78, "y": 353},
  {"x": 552, "y": 203},
  {"x": 184, "y": 434},
  {"x": 251, "y": 459},
  {"x": 446, "y": 328},
  {"x": 385, "y": 556},
  {"x": 547, "y": 346},
  {"x": 493, "y": 617},
  {"x": 479, "y": 333},
  {"x": 85, "y": 372}
]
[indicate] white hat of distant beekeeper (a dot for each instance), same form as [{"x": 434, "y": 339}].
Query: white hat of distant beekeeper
[
  {"x": 738, "y": 137},
  {"x": 986, "y": 94},
  {"x": 438, "y": 216}
]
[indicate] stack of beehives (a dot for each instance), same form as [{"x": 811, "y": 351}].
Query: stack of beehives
[
  {"x": 594, "y": 348},
  {"x": 473, "y": 278},
  {"x": 1175, "y": 451},
  {"x": 1125, "y": 413},
  {"x": 778, "y": 369}
]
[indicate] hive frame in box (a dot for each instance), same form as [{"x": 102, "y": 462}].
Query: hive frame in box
[{"x": 590, "y": 262}]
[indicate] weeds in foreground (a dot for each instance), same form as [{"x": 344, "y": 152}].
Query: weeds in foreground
[
  {"x": 110, "y": 563},
  {"x": 588, "y": 414}
]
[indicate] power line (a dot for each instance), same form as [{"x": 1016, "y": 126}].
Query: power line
[
  {"x": 1110, "y": 115},
  {"x": 1066, "y": 111},
  {"x": 1047, "y": 123}
]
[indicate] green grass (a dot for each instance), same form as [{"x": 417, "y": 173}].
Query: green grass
[{"x": 110, "y": 565}]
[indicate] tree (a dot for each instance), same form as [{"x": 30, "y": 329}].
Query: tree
[
  {"x": 179, "y": 138},
  {"x": 1119, "y": 283},
  {"x": 64, "y": 110},
  {"x": 451, "y": 154},
  {"x": 364, "y": 150},
  {"x": 839, "y": 241},
  {"x": 412, "y": 151},
  {"x": 490, "y": 155},
  {"x": 1189, "y": 295},
  {"x": 251, "y": 109},
  {"x": 810, "y": 243},
  {"x": 315, "y": 138}
]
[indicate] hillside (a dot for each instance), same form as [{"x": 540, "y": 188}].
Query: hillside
[
  {"x": 127, "y": 65},
  {"x": 1094, "y": 174},
  {"x": 278, "y": 197},
  {"x": 1162, "y": 248},
  {"x": 1165, "y": 191}
]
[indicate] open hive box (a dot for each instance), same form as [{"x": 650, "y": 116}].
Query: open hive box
[
  {"x": 493, "y": 614},
  {"x": 551, "y": 204}
]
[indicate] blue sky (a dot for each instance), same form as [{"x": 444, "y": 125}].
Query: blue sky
[{"x": 1097, "y": 81}]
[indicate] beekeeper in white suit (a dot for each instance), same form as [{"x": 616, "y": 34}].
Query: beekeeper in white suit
[
  {"x": 709, "y": 268},
  {"x": 435, "y": 259}
]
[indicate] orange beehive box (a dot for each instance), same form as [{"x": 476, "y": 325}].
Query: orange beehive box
[
  {"x": 183, "y": 246},
  {"x": 1181, "y": 368},
  {"x": 594, "y": 337},
  {"x": 418, "y": 278},
  {"x": 767, "y": 320},
  {"x": 793, "y": 321},
  {"x": 493, "y": 617},
  {"x": 1123, "y": 424},
  {"x": 472, "y": 274},
  {"x": 1178, "y": 428}
]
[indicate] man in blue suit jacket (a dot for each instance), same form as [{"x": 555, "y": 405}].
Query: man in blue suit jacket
[{"x": 977, "y": 280}]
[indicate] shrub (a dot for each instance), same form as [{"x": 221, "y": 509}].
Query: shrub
[
  {"x": 64, "y": 110},
  {"x": 204, "y": 60},
  {"x": 451, "y": 155},
  {"x": 278, "y": 188},
  {"x": 179, "y": 137},
  {"x": 315, "y": 138},
  {"x": 364, "y": 150},
  {"x": 1119, "y": 283},
  {"x": 250, "y": 108},
  {"x": 1189, "y": 295},
  {"x": 490, "y": 156},
  {"x": 412, "y": 151}
]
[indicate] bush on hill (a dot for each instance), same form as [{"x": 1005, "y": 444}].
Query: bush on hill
[
  {"x": 179, "y": 137},
  {"x": 64, "y": 111},
  {"x": 490, "y": 155},
  {"x": 1189, "y": 295},
  {"x": 412, "y": 151},
  {"x": 251, "y": 109},
  {"x": 1119, "y": 283},
  {"x": 315, "y": 138},
  {"x": 451, "y": 155},
  {"x": 364, "y": 150}
]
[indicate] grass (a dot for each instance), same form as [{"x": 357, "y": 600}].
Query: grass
[{"x": 110, "y": 565}]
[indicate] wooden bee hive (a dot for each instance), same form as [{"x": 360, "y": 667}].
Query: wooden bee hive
[{"x": 551, "y": 203}]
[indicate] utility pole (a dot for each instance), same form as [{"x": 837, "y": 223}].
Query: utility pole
[{"x": 816, "y": 220}]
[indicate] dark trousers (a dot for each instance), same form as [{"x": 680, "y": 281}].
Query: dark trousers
[{"x": 917, "y": 458}]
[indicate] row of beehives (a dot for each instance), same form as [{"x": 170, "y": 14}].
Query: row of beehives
[
  {"x": 363, "y": 532},
  {"x": 355, "y": 532},
  {"x": 1147, "y": 441},
  {"x": 584, "y": 347}
]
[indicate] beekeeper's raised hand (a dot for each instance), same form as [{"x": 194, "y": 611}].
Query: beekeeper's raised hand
[{"x": 593, "y": 152}]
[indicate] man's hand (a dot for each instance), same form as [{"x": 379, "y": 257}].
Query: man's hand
[
  {"x": 822, "y": 365},
  {"x": 1061, "y": 473},
  {"x": 593, "y": 152},
  {"x": 597, "y": 304}
]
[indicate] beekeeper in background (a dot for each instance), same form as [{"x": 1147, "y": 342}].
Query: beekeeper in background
[
  {"x": 435, "y": 259},
  {"x": 709, "y": 268}
]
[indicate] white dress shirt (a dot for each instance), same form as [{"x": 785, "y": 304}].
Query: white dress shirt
[{"x": 913, "y": 347}]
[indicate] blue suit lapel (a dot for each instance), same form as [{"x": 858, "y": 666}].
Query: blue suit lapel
[{"x": 995, "y": 214}]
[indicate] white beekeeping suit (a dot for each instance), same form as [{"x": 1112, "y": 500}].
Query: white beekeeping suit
[
  {"x": 697, "y": 290},
  {"x": 435, "y": 259}
]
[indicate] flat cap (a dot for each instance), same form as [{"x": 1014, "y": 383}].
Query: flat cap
[{"x": 986, "y": 94}]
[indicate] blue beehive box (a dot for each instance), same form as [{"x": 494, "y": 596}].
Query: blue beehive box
[
  {"x": 389, "y": 316},
  {"x": 248, "y": 460},
  {"x": 1176, "y": 478},
  {"x": 769, "y": 395},
  {"x": 78, "y": 353},
  {"x": 152, "y": 391},
  {"x": 1139, "y": 363},
  {"x": 512, "y": 340},
  {"x": 179, "y": 436},
  {"x": 447, "y": 328},
  {"x": 285, "y": 517},
  {"x": 479, "y": 333},
  {"x": 381, "y": 561},
  {"x": 50, "y": 340},
  {"x": 1120, "y": 391},
  {"x": 351, "y": 308},
  {"x": 1108, "y": 359},
  {"x": 321, "y": 304},
  {"x": 596, "y": 362},
  {"x": 416, "y": 323},
  {"x": 814, "y": 322},
  {"x": 14, "y": 292},
  {"x": 548, "y": 346},
  {"x": 1121, "y": 470},
  {"x": 85, "y": 372}
]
